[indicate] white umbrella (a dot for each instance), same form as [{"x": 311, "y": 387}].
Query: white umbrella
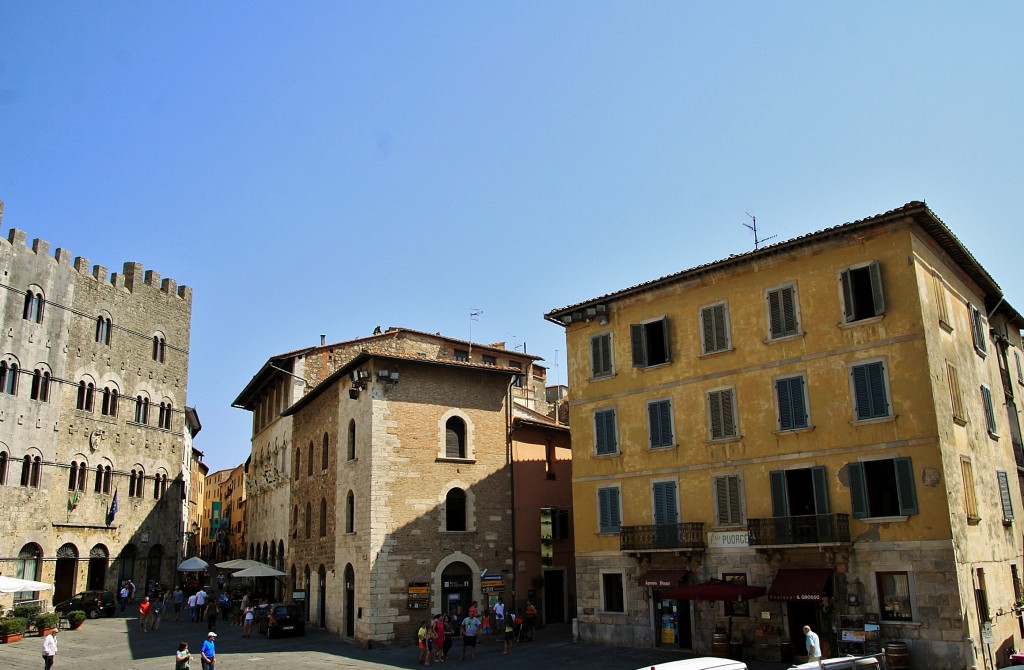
[
  {"x": 239, "y": 564},
  {"x": 15, "y": 585},
  {"x": 194, "y": 564},
  {"x": 259, "y": 571}
]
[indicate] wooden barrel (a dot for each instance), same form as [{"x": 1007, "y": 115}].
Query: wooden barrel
[
  {"x": 897, "y": 655},
  {"x": 720, "y": 645}
]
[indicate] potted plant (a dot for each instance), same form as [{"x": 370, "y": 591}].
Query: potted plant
[
  {"x": 13, "y": 628},
  {"x": 76, "y": 618},
  {"x": 46, "y": 623}
]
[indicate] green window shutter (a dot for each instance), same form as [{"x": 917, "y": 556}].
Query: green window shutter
[
  {"x": 636, "y": 336},
  {"x": 905, "y": 486},
  {"x": 600, "y": 355},
  {"x": 722, "y": 500},
  {"x": 792, "y": 407},
  {"x": 728, "y": 414},
  {"x": 604, "y": 431},
  {"x": 715, "y": 414},
  {"x": 608, "y": 510},
  {"x": 665, "y": 503},
  {"x": 1004, "y": 495},
  {"x": 990, "y": 414},
  {"x": 877, "y": 297},
  {"x": 820, "y": 490},
  {"x": 659, "y": 416},
  {"x": 847, "y": 286},
  {"x": 978, "y": 330},
  {"x": 665, "y": 340},
  {"x": 858, "y": 490},
  {"x": 776, "y": 327},
  {"x": 780, "y": 502},
  {"x": 708, "y": 329},
  {"x": 790, "y": 326},
  {"x": 869, "y": 391}
]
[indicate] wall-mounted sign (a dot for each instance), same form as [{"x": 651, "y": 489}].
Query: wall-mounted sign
[
  {"x": 736, "y": 538},
  {"x": 419, "y": 595},
  {"x": 492, "y": 584}
]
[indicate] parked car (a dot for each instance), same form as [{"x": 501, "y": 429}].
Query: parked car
[
  {"x": 282, "y": 618},
  {"x": 699, "y": 663},
  {"x": 93, "y": 603}
]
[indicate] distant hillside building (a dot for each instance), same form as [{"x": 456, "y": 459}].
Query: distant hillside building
[
  {"x": 821, "y": 432},
  {"x": 94, "y": 372}
]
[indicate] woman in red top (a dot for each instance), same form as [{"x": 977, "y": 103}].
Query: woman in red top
[
  {"x": 438, "y": 638},
  {"x": 145, "y": 607}
]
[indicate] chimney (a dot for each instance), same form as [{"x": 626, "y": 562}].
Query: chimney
[{"x": 323, "y": 340}]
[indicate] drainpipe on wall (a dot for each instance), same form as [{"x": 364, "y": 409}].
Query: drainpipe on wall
[{"x": 512, "y": 484}]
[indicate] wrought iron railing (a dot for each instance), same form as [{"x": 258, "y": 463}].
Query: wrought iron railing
[
  {"x": 809, "y": 529},
  {"x": 688, "y": 535}
]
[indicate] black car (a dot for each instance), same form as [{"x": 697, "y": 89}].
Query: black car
[
  {"x": 282, "y": 618},
  {"x": 93, "y": 603}
]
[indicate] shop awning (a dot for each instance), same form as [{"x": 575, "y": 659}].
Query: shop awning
[
  {"x": 806, "y": 584},
  {"x": 661, "y": 579},
  {"x": 723, "y": 591}
]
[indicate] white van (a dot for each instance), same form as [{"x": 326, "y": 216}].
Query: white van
[{"x": 701, "y": 663}]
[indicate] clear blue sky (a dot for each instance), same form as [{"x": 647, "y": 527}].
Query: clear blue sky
[{"x": 327, "y": 167}]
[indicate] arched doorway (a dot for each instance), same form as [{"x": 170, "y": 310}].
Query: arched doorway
[
  {"x": 66, "y": 573},
  {"x": 305, "y": 576},
  {"x": 456, "y": 588},
  {"x": 321, "y": 605},
  {"x": 153, "y": 565},
  {"x": 97, "y": 578},
  {"x": 350, "y": 601},
  {"x": 126, "y": 571},
  {"x": 29, "y": 566}
]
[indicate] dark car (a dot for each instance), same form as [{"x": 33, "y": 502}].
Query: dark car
[
  {"x": 282, "y": 618},
  {"x": 93, "y": 603}
]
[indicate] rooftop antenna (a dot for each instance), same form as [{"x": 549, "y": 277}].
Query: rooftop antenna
[
  {"x": 757, "y": 240},
  {"x": 473, "y": 314}
]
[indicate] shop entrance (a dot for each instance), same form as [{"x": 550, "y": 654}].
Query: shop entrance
[
  {"x": 802, "y": 613},
  {"x": 456, "y": 588},
  {"x": 673, "y": 623}
]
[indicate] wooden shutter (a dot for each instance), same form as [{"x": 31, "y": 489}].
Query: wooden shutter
[
  {"x": 990, "y": 414},
  {"x": 858, "y": 490},
  {"x": 847, "y": 286},
  {"x": 723, "y": 420},
  {"x": 1004, "y": 495},
  {"x": 604, "y": 428},
  {"x": 905, "y": 486},
  {"x": 869, "y": 391},
  {"x": 978, "y": 330},
  {"x": 727, "y": 497},
  {"x": 659, "y": 415},
  {"x": 792, "y": 407},
  {"x": 608, "y": 509},
  {"x": 877, "y": 297},
  {"x": 636, "y": 337},
  {"x": 665, "y": 510},
  {"x": 714, "y": 328},
  {"x": 782, "y": 312},
  {"x": 820, "y": 490},
  {"x": 780, "y": 500}
]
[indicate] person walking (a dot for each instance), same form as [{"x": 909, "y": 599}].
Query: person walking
[
  {"x": 49, "y": 649},
  {"x": 212, "y": 612},
  {"x": 470, "y": 626},
  {"x": 183, "y": 658},
  {"x": 499, "y": 618},
  {"x": 510, "y": 632},
  {"x": 208, "y": 651},
  {"x": 813, "y": 644},
  {"x": 145, "y": 614},
  {"x": 247, "y": 617},
  {"x": 531, "y": 619},
  {"x": 192, "y": 608},
  {"x": 179, "y": 599},
  {"x": 124, "y": 596},
  {"x": 422, "y": 636}
]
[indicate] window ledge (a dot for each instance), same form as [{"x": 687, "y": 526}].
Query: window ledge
[
  {"x": 448, "y": 459},
  {"x": 598, "y": 378},
  {"x": 994, "y": 436},
  {"x": 960, "y": 421},
  {"x": 664, "y": 447},
  {"x": 660, "y": 364},
  {"x": 612, "y": 454},
  {"x": 724, "y": 440},
  {"x": 896, "y": 622},
  {"x": 973, "y": 520},
  {"x": 883, "y": 519},
  {"x": 717, "y": 352},
  {"x": 880, "y": 419},
  {"x": 608, "y": 532},
  {"x": 861, "y": 322},
  {"x": 610, "y": 613},
  {"x": 785, "y": 338},
  {"x": 790, "y": 431},
  {"x": 983, "y": 354},
  {"x": 945, "y": 326}
]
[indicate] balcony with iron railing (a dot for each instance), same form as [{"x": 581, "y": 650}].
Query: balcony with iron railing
[
  {"x": 689, "y": 535},
  {"x": 809, "y": 529}
]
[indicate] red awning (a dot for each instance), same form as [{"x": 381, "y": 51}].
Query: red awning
[
  {"x": 714, "y": 591},
  {"x": 662, "y": 579},
  {"x": 800, "y": 584}
]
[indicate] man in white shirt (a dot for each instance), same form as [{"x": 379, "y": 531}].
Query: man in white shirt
[
  {"x": 813, "y": 644},
  {"x": 200, "y": 603},
  {"x": 49, "y": 649}
]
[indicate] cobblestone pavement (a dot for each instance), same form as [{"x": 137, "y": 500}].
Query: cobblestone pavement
[{"x": 117, "y": 643}]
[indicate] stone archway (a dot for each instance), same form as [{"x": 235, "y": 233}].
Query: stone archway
[
  {"x": 65, "y": 576},
  {"x": 97, "y": 578}
]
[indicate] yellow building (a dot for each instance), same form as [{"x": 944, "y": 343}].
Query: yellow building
[{"x": 823, "y": 430}]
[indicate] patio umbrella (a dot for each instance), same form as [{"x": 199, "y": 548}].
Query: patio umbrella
[
  {"x": 259, "y": 571},
  {"x": 194, "y": 564},
  {"x": 15, "y": 585},
  {"x": 239, "y": 564}
]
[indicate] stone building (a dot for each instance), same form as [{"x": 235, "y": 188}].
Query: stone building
[
  {"x": 222, "y": 524},
  {"x": 390, "y": 455},
  {"x": 821, "y": 432},
  {"x": 94, "y": 371}
]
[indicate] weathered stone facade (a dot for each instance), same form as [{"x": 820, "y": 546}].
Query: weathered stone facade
[{"x": 88, "y": 337}]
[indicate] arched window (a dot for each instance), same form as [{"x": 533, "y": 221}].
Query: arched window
[
  {"x": 159, "y": 486},
  {"x": 76, "y": 476},
  {"x": 309, "y": 519},
  {"x": 455, "y": 510},
  {"x": 350, "y": 513},
  {"x": 164, "y": 419},
  {"x": 141, "y": 410},
  {"x": 102, "y": 484},
  {"x": 351, "y": 439},
  {"x": 136, "y": 484},
  {"x": 30, "y": 471},
  {"x": 309, "y": 463},
  {"x": 33, "y": 306},
  {"x": 455, "y": 438},
  {"x": 325, "y": 458},
  {"x": 131, "y": 485},
  {"x": 108, "y": 407},
  {"x": 8, "y": 378},
  {"x": 297, "y": 465},
  {"x": 103, "y": 330},
  {"x": 4, "y": 461},
  {"x": 86, "y": 391},
  {"x": 159, "y": 348},
  {"x": 323, "y": 517},
  {"x": 41, "y": 385}
]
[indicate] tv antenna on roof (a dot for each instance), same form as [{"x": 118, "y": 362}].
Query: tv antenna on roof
[
  {"x": 757, "y": 240},
  {"x": 473, "y": 314}
]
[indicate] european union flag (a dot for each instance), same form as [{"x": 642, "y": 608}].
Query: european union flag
[{"x": 113, "y": 509}]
